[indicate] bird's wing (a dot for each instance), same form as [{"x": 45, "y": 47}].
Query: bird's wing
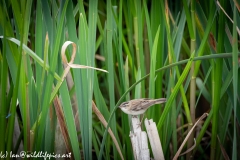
[
  {"x": 135, "y": 105},
  {"x": 147, "y": 103}
]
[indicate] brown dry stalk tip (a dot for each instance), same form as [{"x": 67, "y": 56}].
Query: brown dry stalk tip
[
  {"x": 225, "y": 155},
  {"x": 188, "y": 135},
  {"x": 99, "y": 57},
  {"x": 104, "y": 122},
  {"x": 237, "y": 5},
  {"x": 62, "y": 122},
  {"x": 212, "y": 42}
]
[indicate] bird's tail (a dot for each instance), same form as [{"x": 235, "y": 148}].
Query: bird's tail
[{"x": 160, "y": 100}]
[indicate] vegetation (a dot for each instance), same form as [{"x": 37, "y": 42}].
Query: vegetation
[{"x": 185, "y": 51}]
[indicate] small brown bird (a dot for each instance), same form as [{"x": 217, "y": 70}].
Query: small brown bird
[{"x": 139, "y": 106}]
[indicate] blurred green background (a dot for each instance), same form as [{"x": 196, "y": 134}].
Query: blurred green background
[{"x": 186, "y": 51}]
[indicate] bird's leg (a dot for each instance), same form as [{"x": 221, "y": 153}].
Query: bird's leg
[
  {"x": 134, "y": 116},
  {"x": 139, "y": 125},
  {"x": 142, "y": 118}
]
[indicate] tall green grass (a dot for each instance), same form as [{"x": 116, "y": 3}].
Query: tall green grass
[{"x": 185, "y": 51}]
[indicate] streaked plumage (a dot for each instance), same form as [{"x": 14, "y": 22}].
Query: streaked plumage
[{"x": 139, "y": 106}]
